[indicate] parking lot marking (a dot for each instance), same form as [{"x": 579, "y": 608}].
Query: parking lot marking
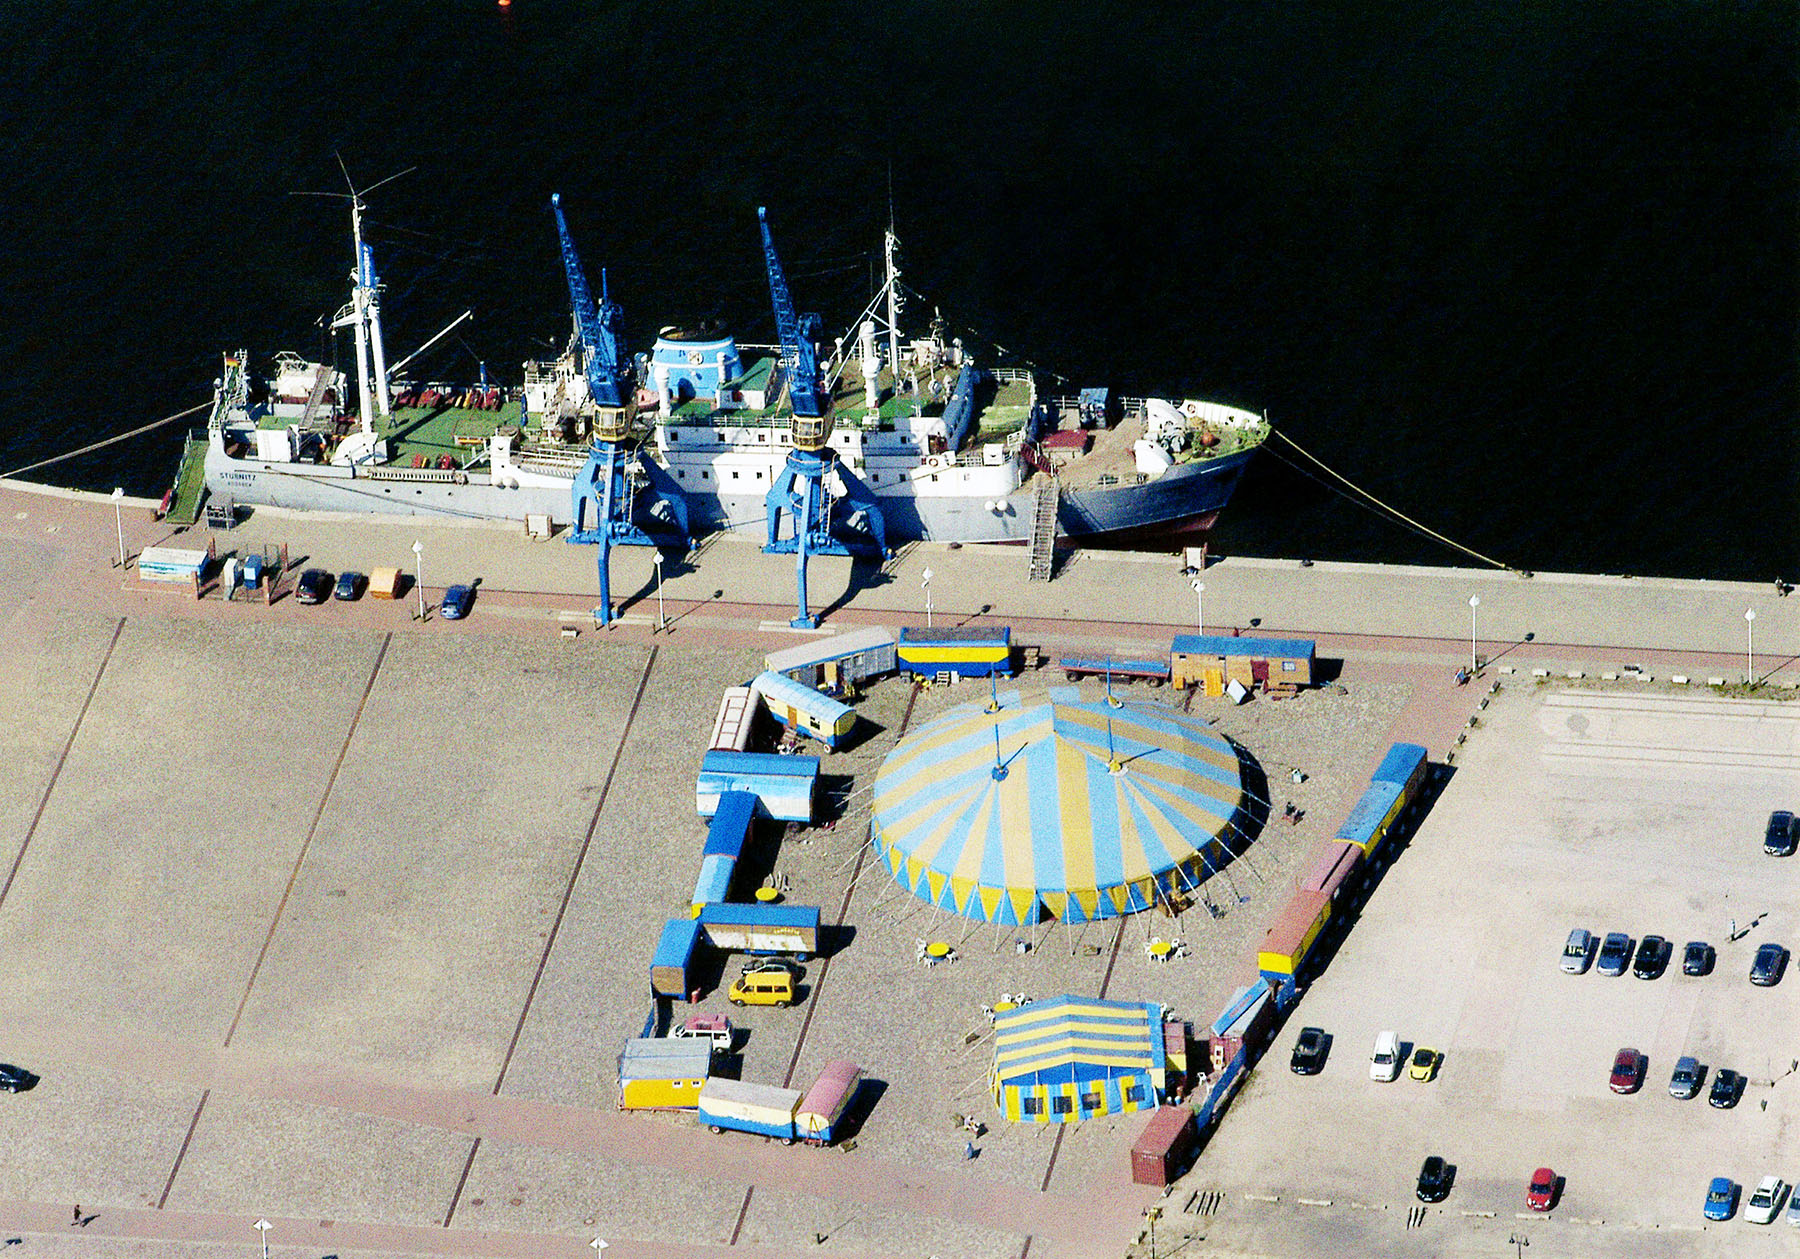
[{"x": 182, "y": 1152}]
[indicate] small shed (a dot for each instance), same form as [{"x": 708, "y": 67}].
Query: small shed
[
  {"x": 663, "y": 1074},
  {"x": 840, "y": 661},
  {"x": 384, "y": 583},
  {"x": 1211, "y": 661},
  {"x": 176, "y": 563},
  {"x": 1070, "y": 1058}
]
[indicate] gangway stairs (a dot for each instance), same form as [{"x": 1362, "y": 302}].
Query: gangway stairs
[
  {"x": 321, "y": 383},
  {"x": 1043, "y": 528}
]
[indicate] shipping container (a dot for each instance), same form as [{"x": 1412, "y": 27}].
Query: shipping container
[
  {"x": 1368, "y": 822},
  {"x": 663, "y": 1074},
  {"x": 384, "y": 583},
  {"x": 671, "y": 966},
  {"x": 838, "y": 661},
  {"x": 789, "y": 930},
  {"x": 966, "y": 651},
  {"x": 1165, "y": 1146},
  {"x": 783, "y": 785},
  {"x": 1289, "y": 939},
  {"x": 737, "y": 715},
  {"x": 175, "y": 563},
  {"x": 1212, "y": 660},
  {"x": 823, "y": 1107},
  {"x": 745, "y": 1107},
  {"x": 804, "y": 710},
  {"x": 1405, "y": 763},
  {"x": 1335, "y": 870}
]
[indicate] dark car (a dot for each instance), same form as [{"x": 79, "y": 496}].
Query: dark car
[
  {"x": 1652, "y": 957},
  {"x": 457, "y": 601},
  {"x": 15, "y": 1079},
  {"x": 1697, "y": 958},
  {"x": 1771, "y": 961},
  {"x": 1434, "y": 1180},
  {"x": 1727, "y": 1084},
  {"x": 1627, "y": 1071},
  {"x": 349, "y": 586},
  {"x": 1782, "y": 835},
  {"x": 1615, "y": 953},
  {"x": 1309, "y": 1051},
  {"x": 314, "y": 586}
]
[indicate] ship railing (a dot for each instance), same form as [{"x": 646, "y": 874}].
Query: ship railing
[{"x": 378, "y": 473}]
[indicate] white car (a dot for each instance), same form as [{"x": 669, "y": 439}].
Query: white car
[
  {"x": 1578, "y": 953},
  {"x": 1765, "y": 1202},
  {"x": 1384, "y": 1062}
]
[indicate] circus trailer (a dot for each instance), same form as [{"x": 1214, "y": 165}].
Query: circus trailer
[
  {"x": 784, "y": 786},
  {"x": 804, "y": 710},
  {"x": 740, "y": 1106},
  {"x": 822, "y": 1110},
  {"x": 839, "y": 662},
  {"x": 969, "y": 651}
]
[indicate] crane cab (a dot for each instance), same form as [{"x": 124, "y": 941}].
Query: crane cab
[{"x": 810, "y": 432}]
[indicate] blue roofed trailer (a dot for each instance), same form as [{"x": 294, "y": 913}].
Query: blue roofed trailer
[
  {"x": 760, "y": 929},
  {"x": 804, "y": 710},
  {"x": 671, "y": 966},
  {"x": 1211, "y": 661},
  {"x": 784, "y": 786},
  {"x": 714, "y": 883},
  {"x": 1118, "y": 668},
  {"x": 970, "y": 651},
  {"x": 840, "y": 661},
  {"x": 730, "y": 825},
  {"x": 1368, "y": 823},
  {"x": 1405, "y": 763}
]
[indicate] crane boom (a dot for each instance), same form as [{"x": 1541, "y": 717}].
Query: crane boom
[
  {"x": 598, "y": 325},
  {"x": 796, "y": 332}
]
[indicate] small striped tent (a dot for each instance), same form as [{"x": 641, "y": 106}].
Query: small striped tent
[
  {"x": 1057, "y": 808},
  {"x": 1070, "y": 1058}
]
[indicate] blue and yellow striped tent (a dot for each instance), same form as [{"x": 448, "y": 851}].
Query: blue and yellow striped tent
[
  {"x": 1058, "y": 808},
  {"x": 1071, "y": 1058}
]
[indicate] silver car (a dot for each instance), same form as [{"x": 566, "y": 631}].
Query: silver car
[
  {"x": 1578, "y": 953},
  {"x": 1685, "y": 1081}
]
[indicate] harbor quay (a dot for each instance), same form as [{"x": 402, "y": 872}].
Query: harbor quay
[{"x": 337, "y": 919}]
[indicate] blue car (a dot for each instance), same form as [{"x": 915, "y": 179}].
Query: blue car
[
  {"x": 1721, "y": 1198},
  {"x": 457, "y": 601}
]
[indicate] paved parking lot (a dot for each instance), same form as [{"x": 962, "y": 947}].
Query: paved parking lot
[{"x": 1637, "y": 812}]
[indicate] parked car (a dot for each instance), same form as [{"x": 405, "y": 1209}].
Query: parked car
[
  {"x": 457, "y": 602},
  {"x": 15, "y": 1079},
  {"x": 1684, "y": 1082},
  {"x": 350, "y": 586},
  {"x": 1771, "y": 961},
  {"x": 1652, "y": 957},
  {"x": 1793, "y": 1211},
  {"x": 711, "y": 1027},
  {"x": 314, "y": 586},
  {"x": 1309, "y": 1051},
  {"x": 1627, "y": 1071},
  {"x": 1615, "y": 953},
  {"x": 1697, "y": 958},
  {"x": 1782, "y": 835},
  {"x": 1765, "y": 1200},
  {"x": 1721, "y": 1198},
  {"x": 1425, "y": 1063},
  {"x": 1578, "y": 953},
  {"x": 1726, "y": 1086},
  {"x": 1384, "y": 1060},
  {"x": 1435, "y": 1177},
  {"x": 1540, "y": 1192}
]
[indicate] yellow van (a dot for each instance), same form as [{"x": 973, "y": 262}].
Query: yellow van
[{"x": 763, "y": 987}]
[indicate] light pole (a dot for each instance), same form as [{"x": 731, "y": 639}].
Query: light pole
[
  {"x": 599, "y": 1246},
  {"x": 927, "y": 585},
  {"x": 1200, "y": 606},
  {"x": 1153, "y": 1214},
  {"x": 263, "y": 1227},
  {"x": 1749, "y": 645},
  {"x": 119, "y": 523},
  {"x": 1474, "y": 662},
  {"x": 660, "y": 622},
  {"x": 419, "y": 575}
]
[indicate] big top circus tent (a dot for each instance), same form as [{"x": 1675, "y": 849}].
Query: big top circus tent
[{"x": 1056, "y": 808}]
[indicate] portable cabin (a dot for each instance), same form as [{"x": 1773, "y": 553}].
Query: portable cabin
[
  {"x": 1405, "y": 763},
  {"x": 744, "y": 1107},
  {"x": 384, "y": 583},
  {"x": 737, "y": 716},
  {"x": 1212, "y": 661},
  {"x": 1373, "y": 815},
  {"x": 671, "y": 966},
  {"x": 783, "y": 785},
  {"x": 176, "y": 563},
  {"x": 971, "y": 651},
  {"x": 804, "y": 710},
  {"x": 823, "y": 1107},
  {"x": 663, "y": 1074},
  {"x": 837, "y": 662},
  {"x": 1290, "y": 938},
  {"x": 1333, "y": 871},
  {"x": 1070, "y": 1058},
  {"x": 1160, "y": 1153},
  {"x": 754, "y": 927}
]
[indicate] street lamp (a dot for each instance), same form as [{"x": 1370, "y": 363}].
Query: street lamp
[
  {"x": 599, "y": 1246},
  {"x": 660, "y": 623},
  {"x": 119, "y": 523},
  {"x": 927, "y": 585},
  {"x": 419, "y": 575},
  {"x": 1749, "y": 646},
  {"x": 1474, "y": 662},
  {"x": 1153, "y": 1214},
  {"x": 1200, "y": 608},
  {"x": 263, "y": 1227}
]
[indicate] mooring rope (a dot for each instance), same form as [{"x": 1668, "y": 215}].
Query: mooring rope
[
  {"x": 1395, "y": 512},
  {"x": 168, "y": 419}
]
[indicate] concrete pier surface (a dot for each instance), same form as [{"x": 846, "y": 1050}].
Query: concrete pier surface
[{"x": 337, "y": 918}]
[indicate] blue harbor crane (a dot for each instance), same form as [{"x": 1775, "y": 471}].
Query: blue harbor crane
[
  {"x": 616, "y": 473},
  {"x": 803, "y": 490}
]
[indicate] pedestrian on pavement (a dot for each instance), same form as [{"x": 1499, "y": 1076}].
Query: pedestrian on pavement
[
  {"x": 77, "y": 1219},
  {"x": 968, "y": 1149}
]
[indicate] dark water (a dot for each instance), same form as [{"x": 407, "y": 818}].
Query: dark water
[{"x": 1526, "y": 271}]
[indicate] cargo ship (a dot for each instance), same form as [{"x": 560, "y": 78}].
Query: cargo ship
[{"x": 951, "y": 450}]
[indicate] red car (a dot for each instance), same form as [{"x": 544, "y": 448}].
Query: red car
[
  {"x": 1541, "y": 1190},
  {"x": 1628, "y": 1071}
]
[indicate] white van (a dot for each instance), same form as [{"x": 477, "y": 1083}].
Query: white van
[
  {"x": 1578, "y": 953},
  {"x": 1384, "y": 1063}
]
